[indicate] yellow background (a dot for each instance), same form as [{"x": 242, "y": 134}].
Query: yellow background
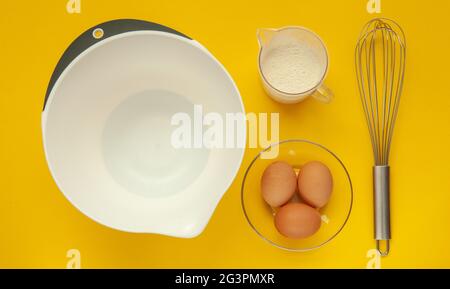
[{"x": 38, "y": 225}]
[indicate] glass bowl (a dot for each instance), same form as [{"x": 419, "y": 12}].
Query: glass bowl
[{"x": 260, "y": 215}]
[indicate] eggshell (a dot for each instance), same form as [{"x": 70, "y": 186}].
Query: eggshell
[
  {"x": 297, "y": 220},
  {"x": 315, "y": 184},
  {"x": 278, "y": 183}
]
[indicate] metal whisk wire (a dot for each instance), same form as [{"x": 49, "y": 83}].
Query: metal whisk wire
[
  {"x": 381, "y": 104},
  {"x": 380, "y": 57}
]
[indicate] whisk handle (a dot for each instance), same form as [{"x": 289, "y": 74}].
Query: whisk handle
[{"x": 381, "y": 204}]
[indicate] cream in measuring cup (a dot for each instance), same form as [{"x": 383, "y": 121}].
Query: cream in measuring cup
[{"x": 293, "y": 62}]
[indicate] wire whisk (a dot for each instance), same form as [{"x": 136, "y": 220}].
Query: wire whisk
[{"x": 380, "y": 57}]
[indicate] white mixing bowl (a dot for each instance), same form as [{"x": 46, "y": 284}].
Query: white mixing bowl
[{"x": 107, "y": 128}]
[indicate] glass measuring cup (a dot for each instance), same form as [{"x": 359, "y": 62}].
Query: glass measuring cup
[{"x": 293, "y": 63}]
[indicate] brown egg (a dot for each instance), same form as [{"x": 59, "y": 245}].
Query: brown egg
[
  {"x": 315, "y": 184},
  {"x": 278, "y": 183},
  {"x": 297, "y": 220}
]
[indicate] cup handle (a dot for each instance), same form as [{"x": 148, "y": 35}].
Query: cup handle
[
  {"x": 263, "y": 35},
  {"x": 323, "y": 94}
]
